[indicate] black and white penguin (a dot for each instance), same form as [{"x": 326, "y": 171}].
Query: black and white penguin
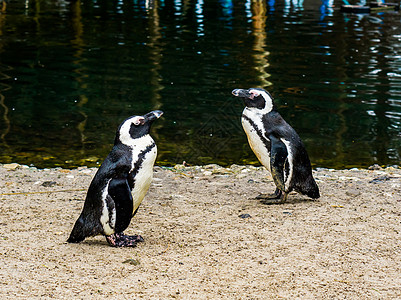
[
  {"x": 120, "y": 184},
  {"x": 277, "y": 146}
]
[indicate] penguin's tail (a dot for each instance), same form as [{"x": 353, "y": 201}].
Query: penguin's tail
[
  {"x": 308, "y": 187},
  {"x": 312, "y": 190},
  {"x": 78, "y": 232}
]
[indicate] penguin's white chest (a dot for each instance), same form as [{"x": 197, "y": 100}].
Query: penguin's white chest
[
  {"x": 143, "y": 177},
  {"x": 255, "y": 136}
]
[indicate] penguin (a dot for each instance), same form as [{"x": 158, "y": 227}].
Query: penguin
[
  {"x": 277, "y": 146},
  {"x": 120, "y": 184}
]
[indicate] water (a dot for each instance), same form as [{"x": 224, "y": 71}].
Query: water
[{"x": 71, "y": 71}]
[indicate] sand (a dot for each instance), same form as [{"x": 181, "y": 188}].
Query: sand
[{"x": 206, "y": 237}]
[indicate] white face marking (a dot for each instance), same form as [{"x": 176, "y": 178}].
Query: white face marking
[
  {"x": 268, "y": 101},
  {"x": 125, "y": 136},
  {"x": 254, "y": 93},
  {"x": 138, "y": 120}
]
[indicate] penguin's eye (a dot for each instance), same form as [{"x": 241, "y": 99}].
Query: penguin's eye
[
  {"x": 253, "y": 94},
  {"x": 138, "y": 121}
]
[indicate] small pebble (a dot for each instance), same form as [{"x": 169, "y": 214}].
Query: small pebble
[
  {"x": 244, "y": 216},
  {"x": 375, "y": 167},
  {"x": 132, "y": 261},
  {"x": 380, "y": 179},
  {"x": 11, "y": 167},
  {"x": 49, "y": 183},
  {"x": 390, "y": 169},
  {"x": 352, "y": 192}
]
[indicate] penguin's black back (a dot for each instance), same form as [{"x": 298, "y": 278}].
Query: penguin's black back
[
  {"x": 302, "y": 179},
  {"x": 88, "y": 223},
  {"x": 116, "y": 165}
]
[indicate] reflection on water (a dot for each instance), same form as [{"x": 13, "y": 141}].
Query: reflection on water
[
  {"x": 71, "y": 71},
  {"x": 6, "y": 121},
  {"x": 261, "y": 64}
]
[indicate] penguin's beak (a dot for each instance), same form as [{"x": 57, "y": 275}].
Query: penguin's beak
[
  {"x": 153, "y": 115},
  {"x": 241, "y": 93}
]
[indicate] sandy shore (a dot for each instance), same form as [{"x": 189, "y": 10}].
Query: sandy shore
[{"x": 206, "y": 237}]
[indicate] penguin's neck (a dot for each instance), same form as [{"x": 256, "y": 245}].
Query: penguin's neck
[
  {"x": 256, "y": 116},
  {"x": 138, "y": 143},
  {"x": 257, "y": 111}
]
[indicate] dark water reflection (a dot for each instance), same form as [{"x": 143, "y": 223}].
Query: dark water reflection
[{"x": 70, "y": 71}]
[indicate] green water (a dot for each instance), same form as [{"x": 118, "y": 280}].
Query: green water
[{"x": 71, "y": 71}]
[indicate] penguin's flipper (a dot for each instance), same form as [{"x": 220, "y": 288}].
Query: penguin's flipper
[
  {"x": 278, "y": 157},
  {"x": 120, "y": 192}
]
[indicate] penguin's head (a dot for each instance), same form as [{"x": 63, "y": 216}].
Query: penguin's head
[
  {"x": 136, "y": 127},
  {"x": 255, "y": 98}
]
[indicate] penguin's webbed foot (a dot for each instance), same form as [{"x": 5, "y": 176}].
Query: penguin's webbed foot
[
  {"x": 122, "y": 240},
  {"x": 277, "y": 195},
  {"x": 277, "y": 198}
]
